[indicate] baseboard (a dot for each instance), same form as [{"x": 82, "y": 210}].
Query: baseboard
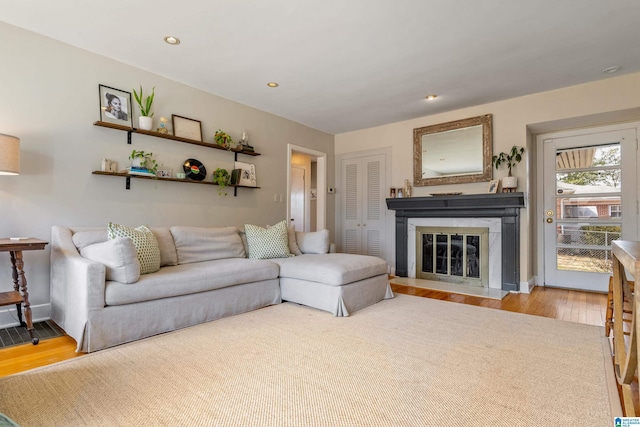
[
  {"x": 9, "y": 317},
  {"x": 527, "y": 287}
]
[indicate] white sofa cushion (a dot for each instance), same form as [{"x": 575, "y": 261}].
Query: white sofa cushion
[
  {"x": 119, "y": 257},
  {"x": 313, "y": 242},
  {"x": 191, "y": 278},
  {"x": 145, "y": 242},
  {"x": 267, "y": 243},
  {"x": 197, "y": 244},
  {"x": 332, "y": 269}
]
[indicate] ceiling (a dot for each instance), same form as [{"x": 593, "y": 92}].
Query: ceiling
[{"x": 344, "y": 65}]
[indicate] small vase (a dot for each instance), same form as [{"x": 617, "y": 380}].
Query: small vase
[
  {"x": 510, "y": 182},
  {"x": 145, "y": 123}
]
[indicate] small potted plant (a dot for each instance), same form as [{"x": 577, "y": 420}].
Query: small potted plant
[
  {"x": 223, "y": 139},
  {"x": 140, "y": 159},
  {"x": 221, "y": 177},
  {"x": 510, "y": 160},
  {"x": 145, "y": 120}
]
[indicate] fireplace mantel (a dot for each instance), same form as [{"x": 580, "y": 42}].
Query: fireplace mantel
[{"x": 505, "y": 206}]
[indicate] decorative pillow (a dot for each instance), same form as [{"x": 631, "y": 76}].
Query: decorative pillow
[
  {"x": 293, "y": 245},
  {"x": 86, "y": 238},
  {"x": 265, "y": 243},
  {"x": 119, "y": 256},
  {"x": 313, "y": 242},
  {"x": 145, "y": 242},
  {"x": 168, "y": 255},
  {"x": 197, "y": 244}
]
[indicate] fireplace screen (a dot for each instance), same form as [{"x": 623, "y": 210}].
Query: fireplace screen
[{"x": 454, "y": 254}]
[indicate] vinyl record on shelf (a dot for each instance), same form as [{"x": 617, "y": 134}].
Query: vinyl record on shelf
[{"x": 194, "y": 169}]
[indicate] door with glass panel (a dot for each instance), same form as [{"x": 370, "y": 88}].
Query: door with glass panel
[{"x": 590, "y": 199}]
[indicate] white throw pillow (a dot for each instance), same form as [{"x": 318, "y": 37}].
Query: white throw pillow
[
  {"x": 266, "y": 243},
  {"x": 119, "y": 257},
  {"x": 293, "y": 245},
  {"x": 145, "y": 242},
  {"x": 313, "y": 242},
  {"x": 168, "y": 254}
]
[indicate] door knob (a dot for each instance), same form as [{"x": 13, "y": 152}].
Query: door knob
[{"x": 549, "y": 220}]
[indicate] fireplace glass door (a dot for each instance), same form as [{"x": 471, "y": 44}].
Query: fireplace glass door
[{"x": 454, "y": 254}]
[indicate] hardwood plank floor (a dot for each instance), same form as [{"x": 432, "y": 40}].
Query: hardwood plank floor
[{"x": 561, "y": 304}]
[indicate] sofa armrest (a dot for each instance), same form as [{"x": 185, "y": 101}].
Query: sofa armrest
[{"x": 77, "y": 284}]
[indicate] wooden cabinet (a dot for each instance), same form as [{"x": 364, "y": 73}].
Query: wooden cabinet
[{"x": 131, "y": 131}]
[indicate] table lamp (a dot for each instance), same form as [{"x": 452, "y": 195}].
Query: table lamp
[{"x": 9, "y": 155}]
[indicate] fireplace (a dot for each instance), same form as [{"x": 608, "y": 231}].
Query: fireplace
[
  {"x": 453, "y": 254},
  {"x": 499, "y": 212}
]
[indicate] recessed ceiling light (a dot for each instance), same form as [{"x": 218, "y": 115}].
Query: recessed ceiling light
[
  {"x": 431, "y": 97},
  {"x": 611, "y": 70},
  {"x": 172, "y": 40},
  {"x": 273, "y": 84}
]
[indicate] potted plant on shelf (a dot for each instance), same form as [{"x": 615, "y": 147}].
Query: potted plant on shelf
[
  {"x": 145, "y": 120},
  {"x": 142, "y": 160},
  {"x": 221, "y": 177},
  {"x": 223, "y": 139},
  {"x": 510, "y": 159}
]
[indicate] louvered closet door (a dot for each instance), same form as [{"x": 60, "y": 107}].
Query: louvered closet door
[{"x": 364, "y": 208}]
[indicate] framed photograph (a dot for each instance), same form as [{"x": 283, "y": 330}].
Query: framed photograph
[
  {"x": 115, "y": 106},
  {"x": 493, "y": 186},
  {"x": 314, "y": 194},
  {"x": 186, "y": 128},
  {"x": 247, "y": 174},
  {"x": 392, "y": 192},
  {"x": 164, "y": 172}
]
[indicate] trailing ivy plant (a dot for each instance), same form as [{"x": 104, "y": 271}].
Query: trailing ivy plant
[
  {"x": 146, "y": 160},
  {"x": 221, "y": 177},
  {"x": 223, "y": 139}
]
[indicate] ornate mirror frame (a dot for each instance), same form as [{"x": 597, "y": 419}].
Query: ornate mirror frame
[{"x": 487, "y": 151}]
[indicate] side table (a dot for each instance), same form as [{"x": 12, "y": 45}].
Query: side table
[{"x": 20, "y": 296}]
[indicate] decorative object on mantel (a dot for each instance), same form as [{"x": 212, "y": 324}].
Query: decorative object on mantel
[
  {"x": 509, "y": 183},
  {"x": 392, "y": 192},
  {"x": 445, "y": 194},
  {"x": 142, "y": 162},
  {"x": 407, "y": 188},
  {"x": 194, "y": 169},
  {"x": 221, "y": 177},
  {"x": 493, "y": 186},
  {"x": 223, "y": 139},
  {"x": 145, "y": 121},
  {"x": 115, "y": 106}
]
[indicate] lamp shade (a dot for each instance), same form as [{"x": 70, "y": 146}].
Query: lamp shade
[{"x": 9, "y": 155}]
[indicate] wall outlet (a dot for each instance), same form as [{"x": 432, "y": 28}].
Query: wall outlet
[{"x": 331, "y": 190}]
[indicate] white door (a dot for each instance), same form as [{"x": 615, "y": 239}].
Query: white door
[
  {"x": 297, "y": 198},
  {"x": 363, "y": 202},
  {"x": 590, "y": 199}
]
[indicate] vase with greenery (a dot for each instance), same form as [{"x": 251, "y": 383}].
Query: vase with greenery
[
  {"x": 145, "y": 120},
  {"x": 221, "y": 177},
  {"x": 140, "y": 159},
  {"x": 223, "y": 139},
  {"x": 510, "y": 159}
]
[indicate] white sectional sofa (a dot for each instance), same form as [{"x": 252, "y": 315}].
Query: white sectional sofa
[{"x": 100, "y": 299}]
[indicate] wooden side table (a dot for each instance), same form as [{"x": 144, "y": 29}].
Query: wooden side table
[{"x": 20, "y": 296}]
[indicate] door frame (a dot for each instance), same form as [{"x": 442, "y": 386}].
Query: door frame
[
  {"x": 389, "y": 246},
  {"x": 540, "y": 206},
  {"x": 321, "y": 181}
]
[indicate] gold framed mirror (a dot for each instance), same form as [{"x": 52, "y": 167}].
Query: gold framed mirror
[{"x": 453, "y": 152}]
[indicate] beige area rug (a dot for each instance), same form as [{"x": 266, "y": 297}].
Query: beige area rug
[{"x": 408, "y": 361}]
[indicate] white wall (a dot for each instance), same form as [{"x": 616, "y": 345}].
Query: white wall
[
  {"x": 49, "y": 99},
  {"x": 515, "y": 121}
]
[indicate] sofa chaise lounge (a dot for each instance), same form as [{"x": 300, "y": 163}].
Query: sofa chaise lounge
[{"x": 100, "y": 299}]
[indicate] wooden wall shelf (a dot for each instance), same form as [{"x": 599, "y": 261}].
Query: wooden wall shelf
[
  {"x": 184, "y": 181},
  {"x": 130, "y": 130}
]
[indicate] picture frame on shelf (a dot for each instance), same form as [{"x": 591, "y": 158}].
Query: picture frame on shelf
[
  {"x": 164, "y": 172},
  {"x": 235, "y": 177},
  {"x": 493, "y": 186},
  {"x": 115, "y": 106},
  {"x": 185, "y": 127},
  {"x": 247, "y": 174}
]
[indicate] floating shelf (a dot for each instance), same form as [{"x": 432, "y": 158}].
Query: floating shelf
[{"x": 184, "y": 181}]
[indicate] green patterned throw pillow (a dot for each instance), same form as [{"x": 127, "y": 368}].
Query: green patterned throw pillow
[
  {"x": 265, "y": 243},
  {"x": 145, "y": 242}
]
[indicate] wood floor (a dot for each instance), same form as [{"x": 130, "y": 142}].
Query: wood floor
[{"x": 582, "y": 307}]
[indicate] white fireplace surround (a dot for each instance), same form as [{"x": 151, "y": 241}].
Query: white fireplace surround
[{"x": 495, "y": 246}]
